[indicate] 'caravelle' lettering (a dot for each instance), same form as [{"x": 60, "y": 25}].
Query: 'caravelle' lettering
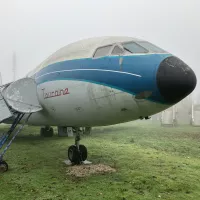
[{"x": 55, "y": 93}]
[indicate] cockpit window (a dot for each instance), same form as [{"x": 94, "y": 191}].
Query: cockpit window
[
  {"x": 117, "y": 51},
  {"x": 102, "y": 51},
  {"x": 132, "y": 47},
  {"x": 151, "y": 47}
]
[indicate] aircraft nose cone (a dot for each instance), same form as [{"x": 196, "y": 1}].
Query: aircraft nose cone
[{"x": 175, "y": 79}]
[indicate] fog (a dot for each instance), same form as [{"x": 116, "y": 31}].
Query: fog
[{"x": 35, "y": 29}]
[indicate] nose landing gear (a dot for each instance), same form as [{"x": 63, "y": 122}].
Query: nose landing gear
[{"x": 77, "y": 153}]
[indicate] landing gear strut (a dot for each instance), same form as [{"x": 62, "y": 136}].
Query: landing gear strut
[{"x": 77, "y": 153}]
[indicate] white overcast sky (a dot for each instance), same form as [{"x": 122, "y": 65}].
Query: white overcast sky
[{"x": 37, "y": 28}]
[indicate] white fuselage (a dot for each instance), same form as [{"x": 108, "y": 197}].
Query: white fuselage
[
  {"x": 76, "y": 103},
  {"x": 107, "y": 80}
]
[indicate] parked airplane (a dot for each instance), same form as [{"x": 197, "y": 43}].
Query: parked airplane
[{"x": 95, "y": 82}]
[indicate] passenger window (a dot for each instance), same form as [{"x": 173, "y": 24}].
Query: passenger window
[
  {"x": 102, "y": 51},
  {"x": 117, "y": 51}
]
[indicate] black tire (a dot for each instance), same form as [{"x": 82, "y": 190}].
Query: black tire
[
  {"x": 83, "y": 151},
  {"x": 73, "y": 154},
  {"x": 42, "y": 132},
  {"x": 46, "y": 132},
  {"x": 3, "y": 166}
]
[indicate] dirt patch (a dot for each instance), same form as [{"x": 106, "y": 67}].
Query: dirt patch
[{"x": 88, "y": 170}]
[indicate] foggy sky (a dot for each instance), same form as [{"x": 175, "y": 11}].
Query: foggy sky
[{"x": 37, "y": 28}]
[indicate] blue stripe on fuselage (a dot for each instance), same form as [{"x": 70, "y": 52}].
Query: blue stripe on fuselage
[{"x": 83, "y": 70}]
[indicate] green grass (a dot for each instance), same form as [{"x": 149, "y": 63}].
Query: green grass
[{"x": 152, "y": 162}]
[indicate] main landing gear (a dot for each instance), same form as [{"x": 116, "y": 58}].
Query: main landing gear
[
  {"x": 77, "y": 153},
  {"x": 47, "y": 131}
]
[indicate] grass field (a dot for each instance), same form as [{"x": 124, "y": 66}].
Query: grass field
[{"x": 152, "y": 162}]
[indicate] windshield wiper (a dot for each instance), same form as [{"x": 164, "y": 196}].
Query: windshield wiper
[{"x": 127, "y": 49}]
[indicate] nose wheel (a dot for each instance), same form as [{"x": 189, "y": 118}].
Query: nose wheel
[
  {"x": 77, "y": 156},
  {"x": 77, "y": 153}
]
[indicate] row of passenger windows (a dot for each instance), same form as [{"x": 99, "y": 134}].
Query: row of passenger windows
[{"x": 130, "y": 47}]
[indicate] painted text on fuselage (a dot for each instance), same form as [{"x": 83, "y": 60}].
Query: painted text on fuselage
[{"x": 55, "y": 93}]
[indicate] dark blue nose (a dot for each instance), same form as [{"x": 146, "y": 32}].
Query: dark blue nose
[{"x": 175, "y": 79}]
